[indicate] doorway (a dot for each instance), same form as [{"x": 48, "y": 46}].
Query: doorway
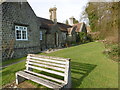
[{"x": 56, "y": 39}]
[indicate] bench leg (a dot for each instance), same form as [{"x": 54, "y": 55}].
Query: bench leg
[
  {"x": 67, "y": 86},
  {"x": 19, "y": 79},
  {"x": 69, "y": 83}
]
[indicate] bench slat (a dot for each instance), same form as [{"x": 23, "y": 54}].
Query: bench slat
[
  {"x": 49, "y": 57},
  {"x": 39, "y": 80},
  {"x": 48, "y": 77},
  {"x": 56, "y": 68},
  {"x": 49, "y": 60},
  {"x": 46, "y": 70},
  {"x": 48, "y": 63},
  {"x": 58, "y": 65},
  {"x": 51, "y": 65}
]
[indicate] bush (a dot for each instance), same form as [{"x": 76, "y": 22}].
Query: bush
[
  {"x": 89, "y": 38},
  {"x": 81, "y": 37},
  {"x": 112, "y": 50}
]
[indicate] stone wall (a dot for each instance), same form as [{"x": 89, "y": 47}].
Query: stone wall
[
  {"x": 51, "y": 37},
  {"x": 72, "y": 38},
  {"x": 0, "y": 33},
  {"x": 17, "y": 13},
  {"x": 64, "y": 37},
  {"x": 50, "y": 41}
]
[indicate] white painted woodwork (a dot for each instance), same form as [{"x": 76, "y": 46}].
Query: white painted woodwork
[
  {"x": 49, "y": 57},
  {"x": 39, "y": 80},
  {"x": 46, "y": 70},
  {"x": 48, "y": 77},
  {"x": 48, "y": 63},
  {"x": 49, "y": 60},
  {"x": 46, "y": 66},
  {"x": 53, "y": 65}
]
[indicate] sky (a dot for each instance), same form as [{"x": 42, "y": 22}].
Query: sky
[{"x": 65, "y": 8}]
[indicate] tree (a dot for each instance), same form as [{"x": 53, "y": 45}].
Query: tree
[
  {"x": 75, "y": 21},
  {"x": 103, "y": 17},
  {"x": 66, "y": 22},
  {"x": 84, "y": 16}
]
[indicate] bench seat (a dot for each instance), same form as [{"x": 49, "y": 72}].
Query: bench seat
[{"x": 39, "y": 80}]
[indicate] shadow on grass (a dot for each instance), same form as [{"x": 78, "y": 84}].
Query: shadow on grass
[{"x": 80, "y": 71}]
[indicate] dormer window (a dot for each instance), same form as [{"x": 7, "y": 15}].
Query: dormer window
[{"x": 21, "y": 32}]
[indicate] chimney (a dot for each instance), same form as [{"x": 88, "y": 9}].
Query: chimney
[
  {"x": 71, "y": 20},
  {"x": 53, "y": 15}
]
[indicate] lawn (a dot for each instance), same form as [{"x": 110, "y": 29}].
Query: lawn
[
  {"x": 90, "y": 67},
  {"x": 12, "y": 61}
]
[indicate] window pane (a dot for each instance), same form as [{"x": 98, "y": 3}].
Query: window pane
[
  {"x": 40, "y": 35},
  {"x": 21, "y": 28},
  {"x": 25, "y": 28},
  {"x": 18, "y": 34},
  {"x": 17, "y": 28},
  {"x": 21, "y": 32},
  {"x": 24, "y": 35}
]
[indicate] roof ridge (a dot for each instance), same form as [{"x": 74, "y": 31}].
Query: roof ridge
[{"x": 44, "y": 18}]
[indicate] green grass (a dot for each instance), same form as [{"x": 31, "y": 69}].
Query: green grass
[
  {"x": 89, "y": 66},
  {"x": 12, "y": 61},
  {"x": 8, "y": 74}
]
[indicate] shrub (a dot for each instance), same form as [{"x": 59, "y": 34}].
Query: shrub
[
  {"x": 89, "y": 38},
  {"x": 81, "y": 37},
  {"x": 112, "y": 50}
]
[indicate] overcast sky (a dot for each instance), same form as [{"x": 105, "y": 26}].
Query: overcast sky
[{"x": 65, "y": 8}]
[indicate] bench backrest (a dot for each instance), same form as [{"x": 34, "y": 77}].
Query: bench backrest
[{"x": 48, "y": 64}]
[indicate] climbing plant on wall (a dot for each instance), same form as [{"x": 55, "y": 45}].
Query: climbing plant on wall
[{"x": 81, "y": 37}]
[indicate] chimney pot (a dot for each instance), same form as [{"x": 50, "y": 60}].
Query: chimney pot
[
  {"x": 71, "y": 19},
  {"x": 53, "y": 14}
]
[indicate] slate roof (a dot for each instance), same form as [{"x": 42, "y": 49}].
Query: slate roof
[
  {"x": 47, "y": 24},
  {"x": 63, "y": 27},
  {"x": 77, "y": 27}
]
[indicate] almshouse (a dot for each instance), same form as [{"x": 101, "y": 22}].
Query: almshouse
[{"x": 24, "y": 33}]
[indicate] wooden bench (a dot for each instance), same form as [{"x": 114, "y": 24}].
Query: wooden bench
[{"x": 52, "y": 72}]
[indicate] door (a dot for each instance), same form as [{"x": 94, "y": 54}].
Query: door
[{"x": 56, "y": 39}]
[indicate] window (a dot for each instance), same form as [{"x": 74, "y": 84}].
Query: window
[
  {"x": 64, "y": 36},
  {"x": 40, "y": 35},
  {"x": 21, "y": 33}
]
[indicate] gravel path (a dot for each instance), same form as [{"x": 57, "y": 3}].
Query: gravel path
[
  {"x": 4, "y": 66},
  {"x": 47, "y": 51}
]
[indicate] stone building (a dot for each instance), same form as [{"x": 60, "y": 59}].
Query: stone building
[
  {"x": 54, "y": 33},
  {"x": 23, "y": 32},
  {"x": 76, "y": 28},
  {"x": 19, "y": 30}
]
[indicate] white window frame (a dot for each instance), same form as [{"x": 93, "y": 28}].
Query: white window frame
[
  {"x": 24, "y": 29},
  {"x": 41, "y": 37}
]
